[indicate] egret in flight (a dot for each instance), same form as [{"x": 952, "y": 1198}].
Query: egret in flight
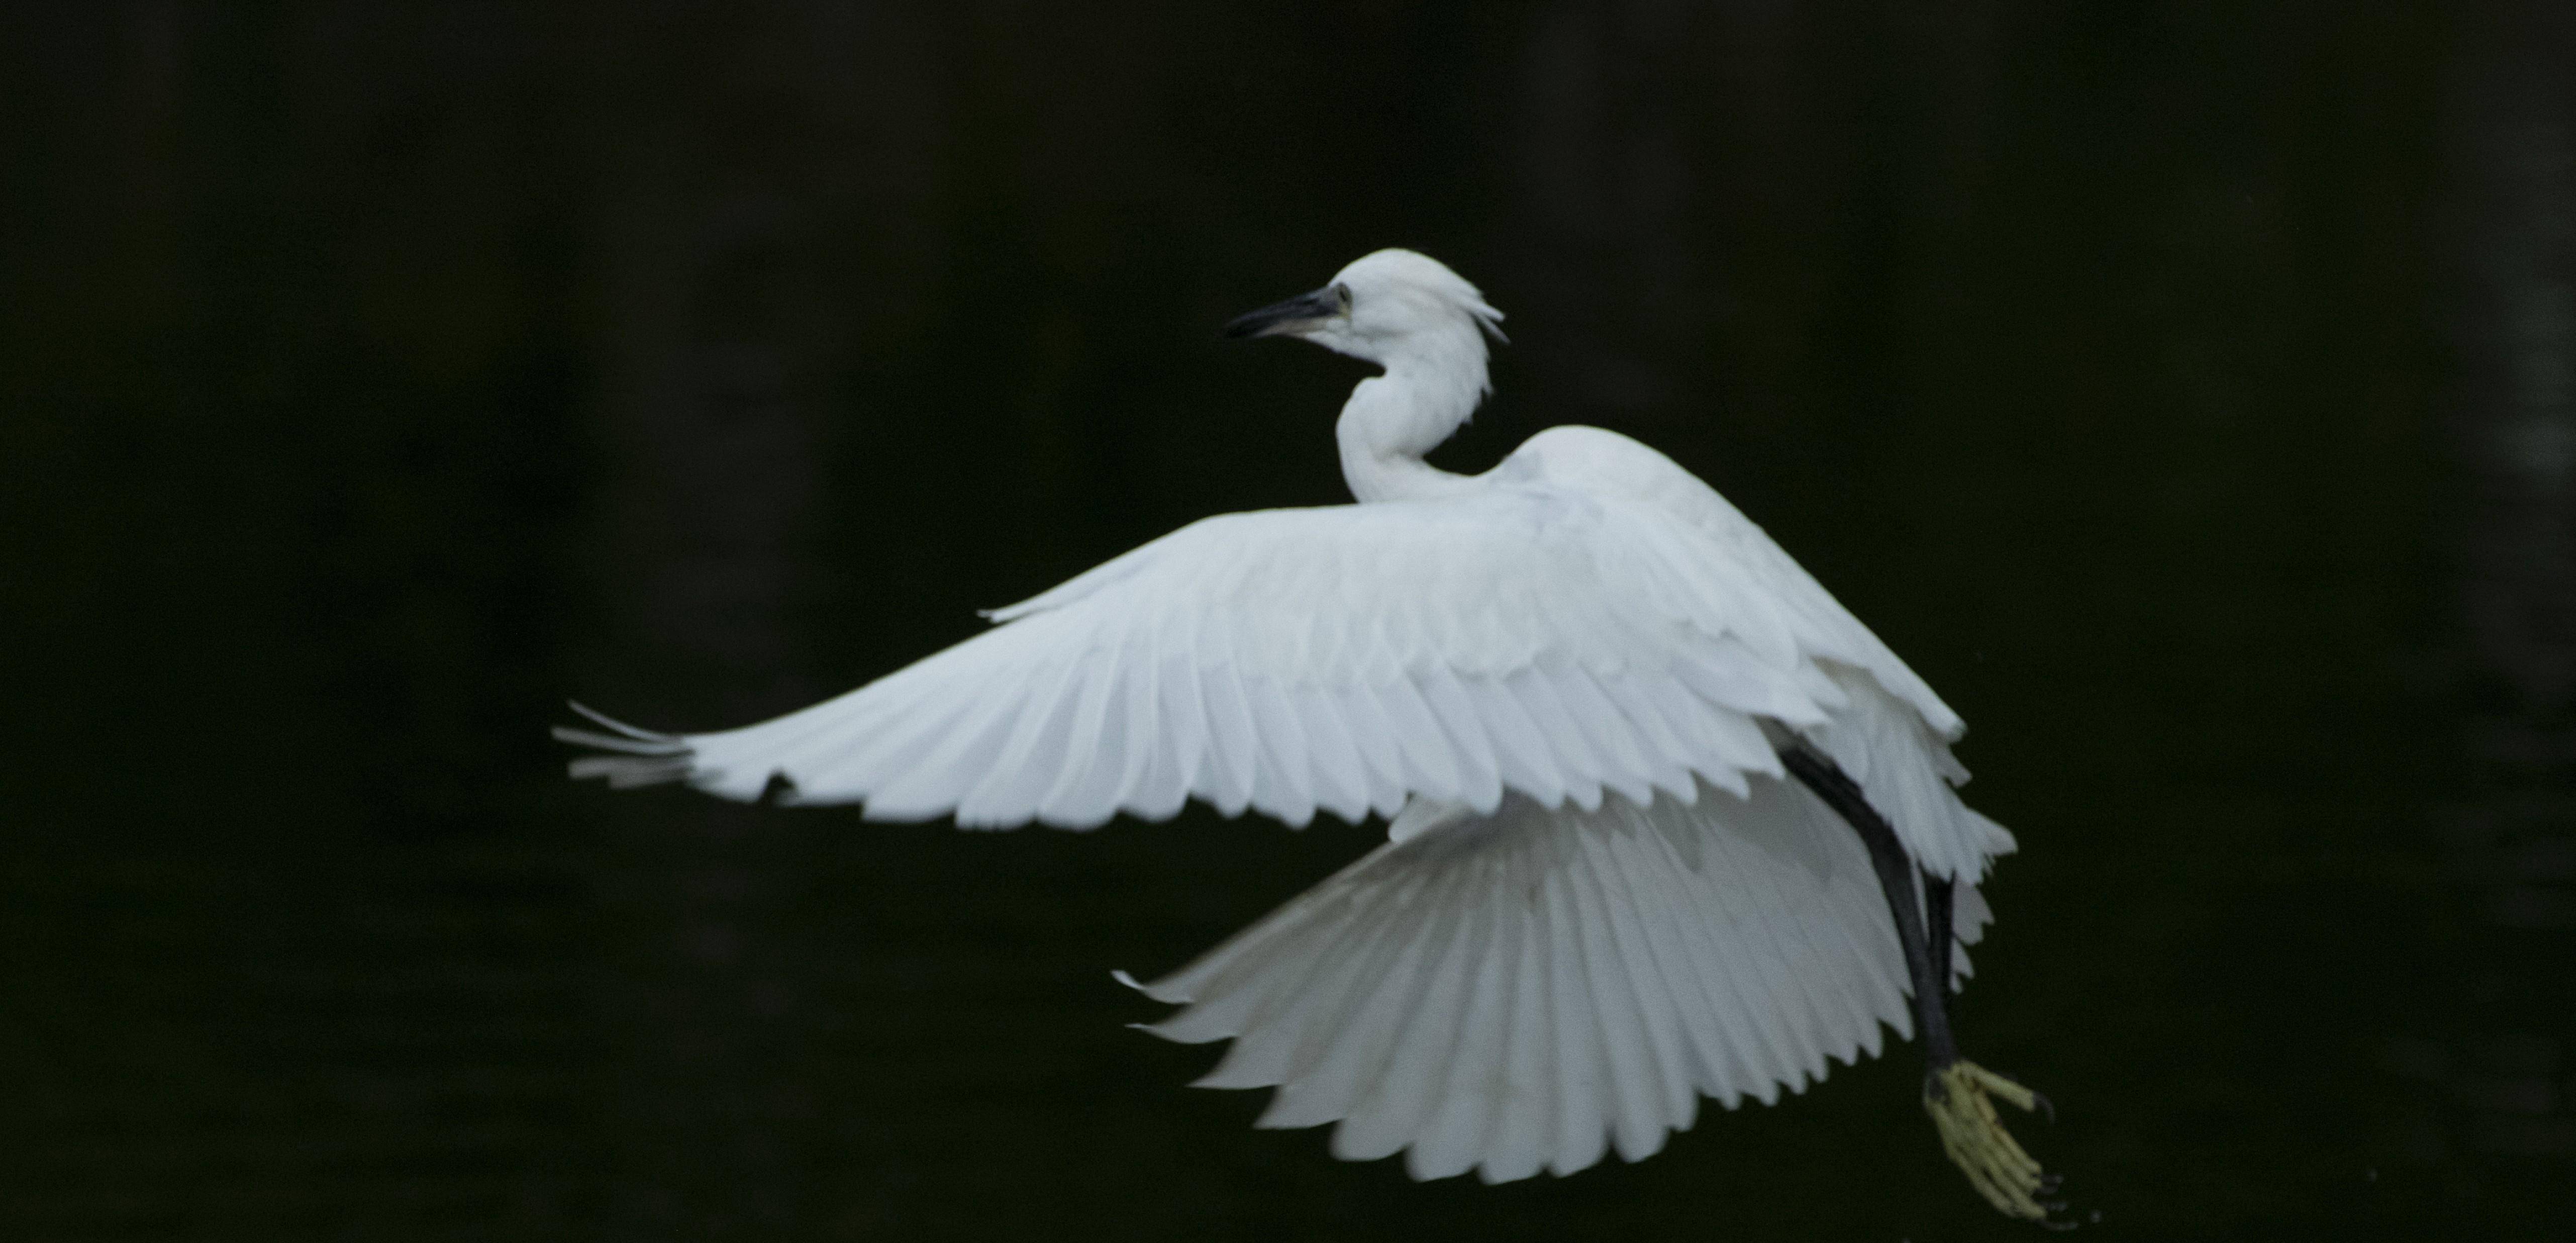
[{"x": 1664, "y": 820}]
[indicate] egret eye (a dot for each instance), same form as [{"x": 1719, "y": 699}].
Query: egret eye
[{"x": 1342, "y": 293}]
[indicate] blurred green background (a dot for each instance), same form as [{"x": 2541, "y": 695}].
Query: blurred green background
[{"x": 2187, "y": 390}]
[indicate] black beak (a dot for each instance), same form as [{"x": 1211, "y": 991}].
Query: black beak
[{"x": 1294, "y": 315}]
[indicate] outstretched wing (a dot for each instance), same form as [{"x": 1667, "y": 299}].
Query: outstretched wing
[
  {"x": 1535, "y": 639},
  {"x": 1518, "y": 991}
]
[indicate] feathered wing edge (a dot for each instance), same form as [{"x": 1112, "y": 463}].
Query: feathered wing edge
[
  {"x": 640, "y": 757},
  {"x": 1910, "y": 776},
  {"x": 1524, "y": 991}
]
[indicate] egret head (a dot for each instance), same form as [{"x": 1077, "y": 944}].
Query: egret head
[{"x": 1386, "y": 307}]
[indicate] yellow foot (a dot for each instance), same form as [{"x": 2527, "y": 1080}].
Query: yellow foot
[{"x": 1957, "y": 1097}]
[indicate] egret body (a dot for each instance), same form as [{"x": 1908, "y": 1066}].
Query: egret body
[{"x": 1665, "y": 820}]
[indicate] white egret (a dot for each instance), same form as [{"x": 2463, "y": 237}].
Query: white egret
[{"x": 1666, "y": 821}]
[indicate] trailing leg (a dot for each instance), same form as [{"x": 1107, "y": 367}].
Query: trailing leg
[{"x": 1956, "y": 1092}]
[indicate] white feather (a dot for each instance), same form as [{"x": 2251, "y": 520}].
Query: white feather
[
  {"x": 1538, "y": 986},
  {"x": 1447, "y": 611}
]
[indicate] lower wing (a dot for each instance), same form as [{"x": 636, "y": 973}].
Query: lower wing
[{"x": 1518, "y": 991}]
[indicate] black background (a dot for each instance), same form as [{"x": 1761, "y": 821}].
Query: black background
[{"x": 2187, "y": 390}]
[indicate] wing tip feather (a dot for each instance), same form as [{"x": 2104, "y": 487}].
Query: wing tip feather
[{"x": 639, "y": 757}]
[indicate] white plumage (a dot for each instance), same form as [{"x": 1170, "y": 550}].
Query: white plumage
[
  {"x": 1564, "y": 681},
  {"x": 1503, "y": 992}
]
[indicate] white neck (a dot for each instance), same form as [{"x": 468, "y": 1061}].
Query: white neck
[{"x": 1430, "y": 388}]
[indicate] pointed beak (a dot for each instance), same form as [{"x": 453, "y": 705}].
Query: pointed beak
[{"x": 1289, "y": 318}]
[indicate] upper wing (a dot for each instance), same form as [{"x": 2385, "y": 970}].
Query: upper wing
[
  {"x": 1606, "y": 462},
  {"x": 1534, "y": 638},
  {"x": 1893, "y": 734},
  {"x": 1514, "y": 992}
]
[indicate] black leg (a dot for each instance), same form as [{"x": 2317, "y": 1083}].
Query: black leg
[
  {"x": 1896, "y": 878},
  {"x": 1956, "y": 1093}
]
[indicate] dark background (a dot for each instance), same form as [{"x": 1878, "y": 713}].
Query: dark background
[{"x": 2188, "y": 390}]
